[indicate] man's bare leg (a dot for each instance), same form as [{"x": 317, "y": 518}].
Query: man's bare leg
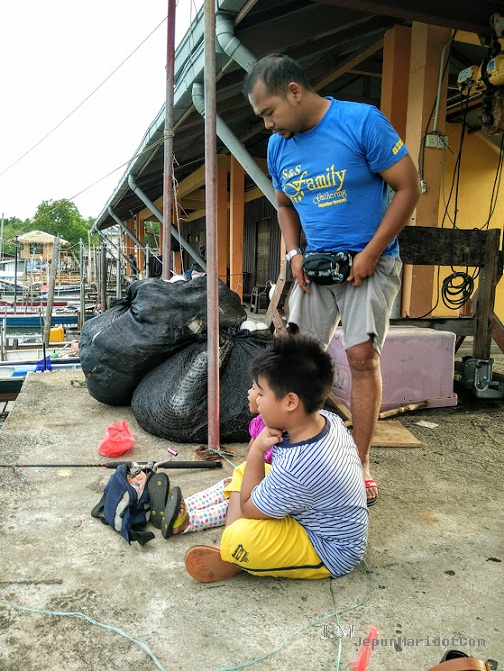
[{"x": 364, "y": 363}]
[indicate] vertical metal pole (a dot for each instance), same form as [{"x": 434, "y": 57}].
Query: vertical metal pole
[
  {"x": 50, "y": 293},
  {"x": 91, "y": 274},
  {"x": 15, "y": 271},
  {"x": 1, "y": 238},
  {"x": 2, "y": 344},
  {"x": 168, "y": 142},
  {"x": 118, "y": 267},
  {"x": 103, "y": 273},
  {"x": 30, "y": 282},
  {"x": 147, "y": 261},
  {"x": 211, "y": 228},
  {"x": 82, "y": 293}
]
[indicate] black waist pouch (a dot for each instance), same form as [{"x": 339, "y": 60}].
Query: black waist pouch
[{"x": 327, "y": 267}]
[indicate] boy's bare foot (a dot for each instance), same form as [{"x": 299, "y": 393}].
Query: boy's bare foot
[{"x": 204, "y": 563}]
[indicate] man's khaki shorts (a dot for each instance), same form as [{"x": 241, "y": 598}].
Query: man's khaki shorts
[{"x": 364, "y": 311}]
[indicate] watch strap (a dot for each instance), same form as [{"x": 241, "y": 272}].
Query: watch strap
[{"x": 292, "y": 253}]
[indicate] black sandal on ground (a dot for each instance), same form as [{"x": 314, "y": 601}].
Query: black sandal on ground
[{"x": 158, "y": 487}]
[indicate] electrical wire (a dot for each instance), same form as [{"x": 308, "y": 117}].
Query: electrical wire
[
  {"x": 496, "y": 184},
  {"x": 83, "y": 101},
  {"x": 421, "y": 149},
  {"x": 193, "y": 10},
  {"x": 82, "y": 616},
  {"x": 457, "y": 289},
  {"x": 333, "y": 615}
]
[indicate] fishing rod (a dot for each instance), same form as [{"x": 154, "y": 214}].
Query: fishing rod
[{"x": 139, "y": 465}]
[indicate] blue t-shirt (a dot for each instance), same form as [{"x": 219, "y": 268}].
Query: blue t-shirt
[
  {"x": 330, "y": 175},
  {"x": 320, "y": 484}
]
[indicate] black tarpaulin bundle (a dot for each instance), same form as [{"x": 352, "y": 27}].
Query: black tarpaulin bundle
[
  {"x": 156, "y": 319},
  {"x": 172, "y": 400}
]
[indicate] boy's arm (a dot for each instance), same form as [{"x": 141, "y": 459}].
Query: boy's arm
[{"x": 255, "y": 472}]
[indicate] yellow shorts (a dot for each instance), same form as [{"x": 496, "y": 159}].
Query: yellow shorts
[{"x": 278, "y": 548}]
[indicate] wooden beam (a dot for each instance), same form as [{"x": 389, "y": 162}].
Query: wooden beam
[
  {"x": 498, "y": 332},
  {"x": 425, "y": 245},
  {"x": 194, "y": 216},
  {"x": 366, "y": 73},
  {"x": 273, "y": 317},
  {"x": 223, "y": 163},
  {"x": 454, "y": 14},
  {"x": 253, "y": 194},
  {"x": 191, "y": 183},
  {"x": 488, "y": 278},
  {"x": 461, "y": 326},
  {"x": 348, "y": 65}
]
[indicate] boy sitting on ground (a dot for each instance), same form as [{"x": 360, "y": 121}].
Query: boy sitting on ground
[{"x": 305, "y": 516}]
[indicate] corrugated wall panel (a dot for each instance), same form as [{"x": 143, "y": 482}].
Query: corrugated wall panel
[{"x": 256, "y": 211}]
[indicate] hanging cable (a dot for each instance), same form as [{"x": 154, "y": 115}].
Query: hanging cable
[
  {"x": 457, "y": 289},
  {"x": 83, "y": 102},
  {"x": 496, "y": 185},
  {"x": 421, "y": 150}
]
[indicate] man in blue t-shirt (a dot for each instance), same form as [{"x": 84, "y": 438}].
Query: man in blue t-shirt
[{"x": 334, "y": 166}]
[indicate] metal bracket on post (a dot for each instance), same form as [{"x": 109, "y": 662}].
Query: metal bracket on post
[{"x": 477, "y": 376}]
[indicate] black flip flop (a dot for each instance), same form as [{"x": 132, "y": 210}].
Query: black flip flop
[
  {"x": 158, "y": 487},
  {"x": 172, "y": 512}
]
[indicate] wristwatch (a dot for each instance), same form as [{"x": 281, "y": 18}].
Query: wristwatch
[{"x": 292, "y": 253}]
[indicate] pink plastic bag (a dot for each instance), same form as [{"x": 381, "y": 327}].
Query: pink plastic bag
[{"x": 116, "y": 440}]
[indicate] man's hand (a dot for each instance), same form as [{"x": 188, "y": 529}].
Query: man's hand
[
  {"x": 296, "y": 264},
  {"x": 363, "y": 265}
]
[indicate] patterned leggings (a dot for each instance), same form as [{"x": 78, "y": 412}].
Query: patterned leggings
[{"x": 207, "y": 509}]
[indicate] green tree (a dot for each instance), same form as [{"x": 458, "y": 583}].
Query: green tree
[
  {"x": 12, "y": 227},
  {"x": 61, "y": 218}
]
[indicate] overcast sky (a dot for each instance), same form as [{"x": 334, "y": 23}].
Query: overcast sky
[{"x": 54, "y": 54}]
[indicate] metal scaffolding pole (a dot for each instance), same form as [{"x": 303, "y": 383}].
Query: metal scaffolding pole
[
  {"x": 168, "y": 142},
  {"x": 211, "y": 228}
]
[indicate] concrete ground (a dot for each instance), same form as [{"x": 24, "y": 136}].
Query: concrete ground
[{"x": 74, "y": 594}]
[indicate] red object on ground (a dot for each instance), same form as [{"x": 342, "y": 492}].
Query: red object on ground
[
  {"x": 116, "y": 440},
  {"x": 367, "y": 647}
]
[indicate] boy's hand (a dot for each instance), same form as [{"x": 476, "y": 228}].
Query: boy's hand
[{"x": 267, "y": 438}]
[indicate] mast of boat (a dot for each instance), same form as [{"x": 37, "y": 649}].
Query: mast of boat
[{"x": 50, "y": 293}]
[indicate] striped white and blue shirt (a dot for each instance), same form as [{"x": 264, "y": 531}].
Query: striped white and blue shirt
[{"x": 320, "y": 484}]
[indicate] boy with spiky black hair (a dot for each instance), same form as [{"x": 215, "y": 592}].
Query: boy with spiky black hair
[{"x": 306, "y": 515}]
